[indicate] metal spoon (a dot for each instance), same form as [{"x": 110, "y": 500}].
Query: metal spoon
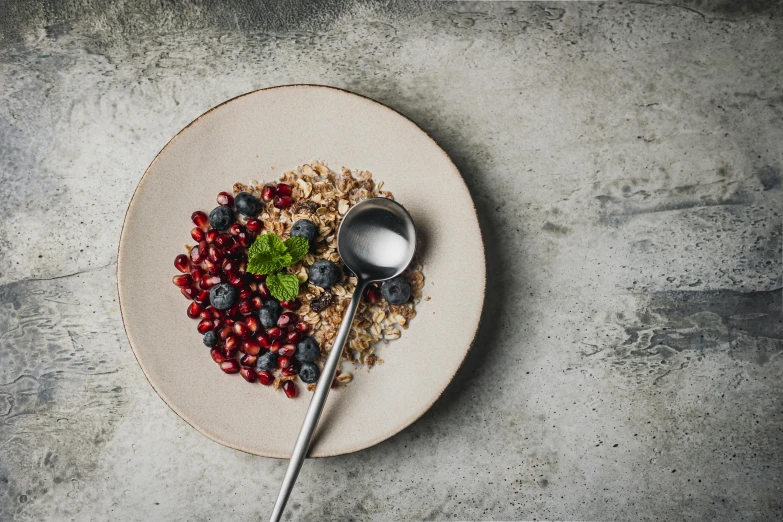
[{"x": 376, "y": 241}]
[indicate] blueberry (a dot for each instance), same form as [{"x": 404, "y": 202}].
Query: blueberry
[
  {"x": 307, "y": 350},
  {"x": 270, "y": 313},
  {"x": 274, "y": 305},
  {"x": 309, "y": 373},
  {"x": 221, "y": 218},
  {"x": 223, "y": 296},
  {"x": 268, "y": 317},
  {"x": 324, "y": 273},
  {"x": 304, "y": 228},
  {"x": 246, "y": 204},
  {"x": 210, "y": 339},
  {"x": 396, "y": 291},
  {"x": 267, "y": 361}
]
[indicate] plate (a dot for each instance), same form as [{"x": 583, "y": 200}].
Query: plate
[{"x": 258, "y": 136}]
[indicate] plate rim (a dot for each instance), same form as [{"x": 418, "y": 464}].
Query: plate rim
[{"x": 377, "y": 440}]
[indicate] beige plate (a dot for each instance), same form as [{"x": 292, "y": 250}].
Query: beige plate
[{"x": 258, "y": 136}]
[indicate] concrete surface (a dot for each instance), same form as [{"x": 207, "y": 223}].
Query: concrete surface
[{"x": 626, "y": 162}]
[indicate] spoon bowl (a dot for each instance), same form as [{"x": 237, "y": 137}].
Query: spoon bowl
[{"x": 377, "y": 239}]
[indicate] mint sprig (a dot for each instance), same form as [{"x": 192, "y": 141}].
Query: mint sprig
[{"x": 269, "y": 254}]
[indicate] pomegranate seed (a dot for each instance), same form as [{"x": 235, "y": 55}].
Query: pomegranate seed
[
  {"x": 224, "y": 333},
  {"x": 237, "y": 281},
  {"x": 251, "y": 346},
  {"x": 257, "y": 302},
  {"x": 283, "y": 361},
  {"x": 283, "y": 189},
  {"x": 293, "y": 337},
  {"x": 269, "y": 192},
  {"x": 275, "y": 332},
  {"x": 241, "y": 329},
  {"x": 287, "y": 350},
  {"x": 217, "y": 314},
  {"x": 302, "y": 327},
  {"x": 204, "y": 326},
  {"x": 245, "y": 293},
  {"x": 253, "y": 323},
  {"x": 275, "y": 346},
  {"x": 235, "y": 250},
  {"x": 259, "y": 277},
  {"x": 289, "y": 388},
  {"x": 248, "y": 360},
  {"x": 264, "y": 377},
  {"x": 283, "y": 202},
  {"x": 205, "y": 314},
  {"x": 229, "y": 265},
  {"x": 224, "y": 241},
  {"x": 215, "y": 254},
  {"x": 208, "y": 281},
  {"x": 212, "y": 234},
  {"x": 254, "y": 225},
  {"x": 235, "y": 229},
  {"x": 224, "y": 199},
  {"x": 249, "y": 374},
  {"x": 212, "y": 268},
  {"x": 230, "y": 275},
  {"x": 286, "y": 319},
  {"x": 263, "y": 291},
  {"x": 233, "y": 312},
  {"x": 264, "y": 339},
  {"x": 189, "y": 292},
  {"x": 217, "y": 355},
  {"x": 202, "y": 298},
  {"x": 197, "y": 273},
  {"x": 182, "y": 263},
  {"x": 293, "y": 370},
  {"x": 372, "y": 295},
  {"x": 198, "y": 234},
  {"x": 182, "y": 280},
  {"x": 232, "y": 344},
  {"x": 242, "y": 269},
  {"x": 200, "y": 219},
  {"x": 291, "y": 305},
  {"x": 246, "y": 307},
  {"x": 194, "y": 310},
  {"x": 245, "y": 238},
  {"x": 196, "y": 256},
  {"x": 229, "y": 366}
]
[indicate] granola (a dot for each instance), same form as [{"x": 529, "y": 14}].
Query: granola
[{"x": 323, "y": 196}]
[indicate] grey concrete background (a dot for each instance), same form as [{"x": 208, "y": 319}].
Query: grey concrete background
[{"x": 625, "y": 160}]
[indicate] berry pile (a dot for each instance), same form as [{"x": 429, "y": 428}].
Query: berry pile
[{"x": 247, "y": 330}]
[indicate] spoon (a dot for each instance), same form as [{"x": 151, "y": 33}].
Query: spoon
[{"x": 376, "y": 241}]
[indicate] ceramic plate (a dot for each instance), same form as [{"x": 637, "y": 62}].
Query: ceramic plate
[{"x": 258, "y": 136}]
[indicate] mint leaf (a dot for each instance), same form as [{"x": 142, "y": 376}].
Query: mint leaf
[
  {"x": 285, "y": 260},
  {"x": 284, "y": 287},
  {"x": 263, "y": 263},
  {"x": 268, "y": 243},
  {"x": 298, "y": 247}
]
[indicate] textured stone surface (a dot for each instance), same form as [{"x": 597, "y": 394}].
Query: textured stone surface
[{"x": 625, "y": 160}]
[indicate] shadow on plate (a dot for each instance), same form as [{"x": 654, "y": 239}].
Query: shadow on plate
[{"x": 489, "y": 331}]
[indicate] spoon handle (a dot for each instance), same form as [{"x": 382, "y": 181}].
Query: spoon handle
[{"x": 316, "y": 405}]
